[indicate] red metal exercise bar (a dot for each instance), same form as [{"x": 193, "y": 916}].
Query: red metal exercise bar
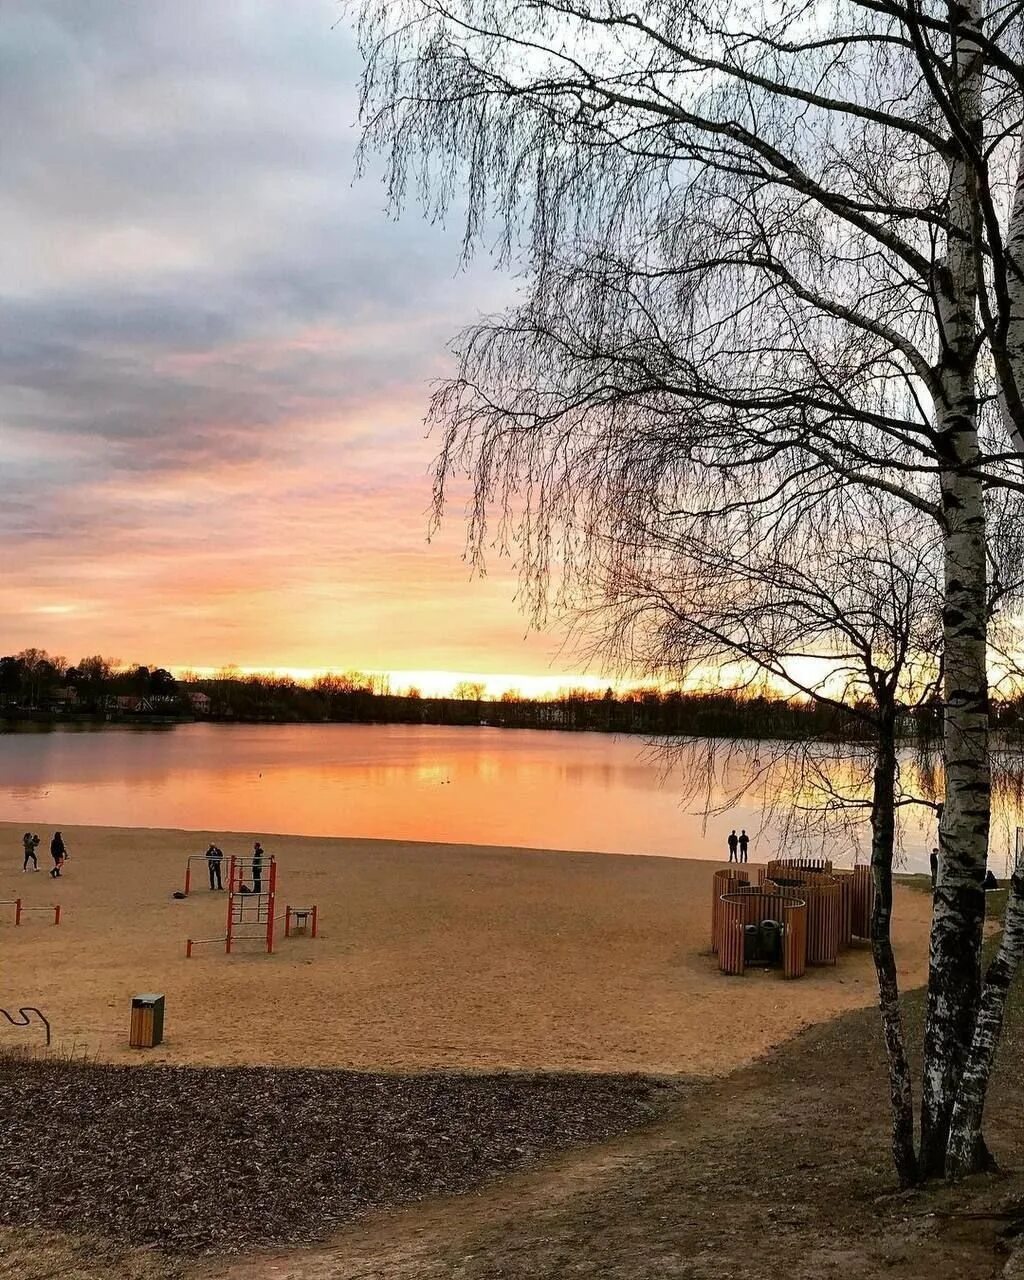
[{"x": 20, "y": 909}]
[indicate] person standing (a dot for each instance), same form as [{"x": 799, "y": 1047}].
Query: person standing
[
  {"x": 744, "y": 845},
  {"x": 257, "y": 868},
  {"x": 59, "y": 854},
  {"x": 213, "y": 861},
  {"x": 733, "y": 843},
  {"x": 933, "y": 862},
  {"x": 30, "y": 843}
]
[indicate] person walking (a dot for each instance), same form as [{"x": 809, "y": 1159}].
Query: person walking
[
  {"x": 744, "y": 845},
  {"x": 30, "y": 843},
  {"x": 59, "y": 854},
  {"x": 257, "y": 868},
  {"x": 733, "y": 843},
  {"x": 213, "y": 861}
]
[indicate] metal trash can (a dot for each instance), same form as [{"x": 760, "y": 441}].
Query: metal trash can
[
  {"x": 751, "y": 941},
  {"x": 147, "y": 1027},
  {"x": 770, "y": 941}
]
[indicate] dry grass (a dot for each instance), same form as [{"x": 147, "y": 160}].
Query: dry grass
[{"x": 32, "y": 1254}]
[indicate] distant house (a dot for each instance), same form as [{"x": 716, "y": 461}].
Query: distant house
[
  {"x": 201, "y": 704},
  {"x": 552, "y": 713},
  {"x": 163, "y": 703},
  {"x": 67, "y": 697},
  {"x": 128, "y": 702}
]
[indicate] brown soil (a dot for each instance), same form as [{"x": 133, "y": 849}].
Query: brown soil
[{"x": 779, "y": 1170}]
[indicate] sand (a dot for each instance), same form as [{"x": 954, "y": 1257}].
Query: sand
[{"x": 429, "y": 957}]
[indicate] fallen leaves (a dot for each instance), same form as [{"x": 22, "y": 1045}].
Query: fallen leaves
[{"x": 221, "y": 1160}]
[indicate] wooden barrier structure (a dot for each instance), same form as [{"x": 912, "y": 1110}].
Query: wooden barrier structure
[
  {"x": 785, "y": 867},
  {"x": 835, "y": 908},
  {"x": 823, "y": 918},
  {"x": 741, "y": 908},
  {"x": 20, "y": 910},
  {"x": 824, "y": 906},
  {"x": 856, "y": 885},
  {"x": 845, "y": 909},
  {"x": 725, "y": 879},
  {"x": 862, "y": 901}
]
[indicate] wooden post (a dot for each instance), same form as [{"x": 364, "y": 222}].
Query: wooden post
[
  {"x": 56, "y": 914},
  {"x": 313, "y": 929},
  {"x": 17, "y": 911},
  {"x": 723, "y": 880}
]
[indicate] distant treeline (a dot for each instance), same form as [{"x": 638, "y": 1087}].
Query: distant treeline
[{"x": 35, "y": 685}]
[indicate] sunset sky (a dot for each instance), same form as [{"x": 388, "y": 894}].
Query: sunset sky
[{"x": 216, "y": 351}]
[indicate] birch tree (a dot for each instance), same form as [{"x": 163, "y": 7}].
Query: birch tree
[
  {"x": 839, "y": 603},
  {"x": 769, "y": 243}
]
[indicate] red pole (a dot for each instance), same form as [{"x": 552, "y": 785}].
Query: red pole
[
  {"x": 287, "y": 922},
  {"x": 188, "y": 875},
  {"x": 231, "y": 904},
  {"x": 313, "y": 930},
  {"x": 271, "y": 886},
  {"x": 188, "y": 949},
  {"x": 17, "y": 911},
  {"x": 56, "y": 914}
]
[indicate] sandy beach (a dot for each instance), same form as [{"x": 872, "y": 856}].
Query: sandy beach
[{"x": 430, "y": 956}]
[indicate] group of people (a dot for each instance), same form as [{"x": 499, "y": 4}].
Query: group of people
[
  {"x": 738, "y": 846},
  {"x": 58, "y": 852},
  {"x": 214, "y": 857}
]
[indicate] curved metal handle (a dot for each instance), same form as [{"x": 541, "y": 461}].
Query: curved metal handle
[{"x": 26, "y": 1020}]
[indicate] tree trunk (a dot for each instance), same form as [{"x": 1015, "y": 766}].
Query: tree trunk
[
  {"x": 967, "y": 1151},
  {"x": 883, "y": 835},
  {"x": 1011, "y": 370},
  {"x": 954, "y": 979}
]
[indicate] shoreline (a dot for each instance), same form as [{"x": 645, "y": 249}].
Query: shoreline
[{"x": 9, "y": 826}]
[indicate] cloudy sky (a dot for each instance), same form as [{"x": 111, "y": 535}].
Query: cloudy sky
[{"x": 215, "y": 352}]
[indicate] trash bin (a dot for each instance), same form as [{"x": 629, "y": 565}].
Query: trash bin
[
  {"x": 147, "y": 1026},
  {"x": 751, "y": 941},
  {"x": 770, "y": 941}
]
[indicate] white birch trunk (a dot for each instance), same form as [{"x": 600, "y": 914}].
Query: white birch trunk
[
  {"x": 964, "y": 1155},
  {"x": 954, "y": 979}
]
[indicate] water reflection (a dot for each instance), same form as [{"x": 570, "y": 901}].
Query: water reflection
[{"x": 490, "y": 786}]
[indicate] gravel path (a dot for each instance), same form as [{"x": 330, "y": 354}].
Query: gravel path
[{"x": 199, "y": 1160}]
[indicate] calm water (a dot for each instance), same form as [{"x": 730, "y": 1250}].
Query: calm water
[{"x": 490, "y": 786}]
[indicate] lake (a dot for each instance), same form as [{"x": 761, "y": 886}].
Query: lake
[{"x": 536, "y": 789}]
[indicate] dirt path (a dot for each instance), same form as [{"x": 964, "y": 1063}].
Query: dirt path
[
  {"x": 781, "y": 1169},
  {"x": 410, "y": 1243}
]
